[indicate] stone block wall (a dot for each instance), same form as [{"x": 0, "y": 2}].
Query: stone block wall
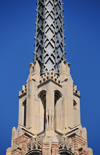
[
  {"x": 19, "y": 145},
  {"x": 80, "y": 145}
]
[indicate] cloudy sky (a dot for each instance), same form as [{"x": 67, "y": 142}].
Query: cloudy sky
[{"x": 82, "y": 31}]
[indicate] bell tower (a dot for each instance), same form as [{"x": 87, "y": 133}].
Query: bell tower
[{"x": 49, "y": 103}]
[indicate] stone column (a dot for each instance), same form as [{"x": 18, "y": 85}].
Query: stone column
[{"x": 50, "y": 108}]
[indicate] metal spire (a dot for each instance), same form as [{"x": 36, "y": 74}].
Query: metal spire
[{"x": 49, "y": 40}]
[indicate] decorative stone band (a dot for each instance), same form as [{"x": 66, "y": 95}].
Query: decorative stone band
[
  {"x": 34, "y": 144},
  {"x": 50, "y": 76},
  {"x": 46, "y": 77}
]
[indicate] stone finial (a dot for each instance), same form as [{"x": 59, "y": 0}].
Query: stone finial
[
  {"x": 68, "y": 68},
  {"x": 63, "y": 68},
  {"x": 31, "y": 67},
  {"x": 36, "y": 67}
]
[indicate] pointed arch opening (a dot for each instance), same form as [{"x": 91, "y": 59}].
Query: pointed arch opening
[
  {"x": 57, "y": 95},
  {"x": 42, "y": 118},
  {"x": 75, "y": 112},
  {"x": 34, "y": 152},
  {"x": 24, "y": 113},
  {"x": 65, "y": 152},
  {"x": 57, "y": 110}
]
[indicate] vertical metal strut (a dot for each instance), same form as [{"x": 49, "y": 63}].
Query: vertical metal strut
[{"x": 49, "y": 40}]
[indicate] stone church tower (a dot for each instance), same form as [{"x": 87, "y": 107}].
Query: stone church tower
[{"x": 49, "y": 103}]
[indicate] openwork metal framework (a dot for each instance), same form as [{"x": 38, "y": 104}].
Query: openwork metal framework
[{"x": 49, "y": 40}]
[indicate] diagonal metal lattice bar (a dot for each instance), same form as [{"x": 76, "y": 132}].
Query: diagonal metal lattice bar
[{"x": 49, "y": 40}]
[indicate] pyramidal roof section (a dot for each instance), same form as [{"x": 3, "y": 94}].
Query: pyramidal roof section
[{"x": 49, "y": 40}]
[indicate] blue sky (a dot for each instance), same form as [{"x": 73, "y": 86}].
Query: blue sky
[{"x": 82, "y": 31}]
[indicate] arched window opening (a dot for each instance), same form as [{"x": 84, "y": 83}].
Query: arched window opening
[
  {"x": 57, "y": 110},
  {"x": 57, "y": 95},
  {"x": 74, "y": 104},
  {"x": 42, "y": 96},
  {"x": 65, "y": 152},
  {"x": 75, "y": 112},
  {"x": 34, "y": 152},
  {"x": 24, "y": 105}
]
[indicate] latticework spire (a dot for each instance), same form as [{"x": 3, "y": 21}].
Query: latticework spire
[{"x": 49, "y": 40}]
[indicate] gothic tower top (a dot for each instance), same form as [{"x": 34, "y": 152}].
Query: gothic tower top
[
  {"x": 49, "y": 40},
  {"x": 49, "y": 103}
]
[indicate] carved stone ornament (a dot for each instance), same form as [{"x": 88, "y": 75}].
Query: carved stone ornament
[
  {"x": 64, "y": 143},
  {"x": 35, "y": 143}
]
